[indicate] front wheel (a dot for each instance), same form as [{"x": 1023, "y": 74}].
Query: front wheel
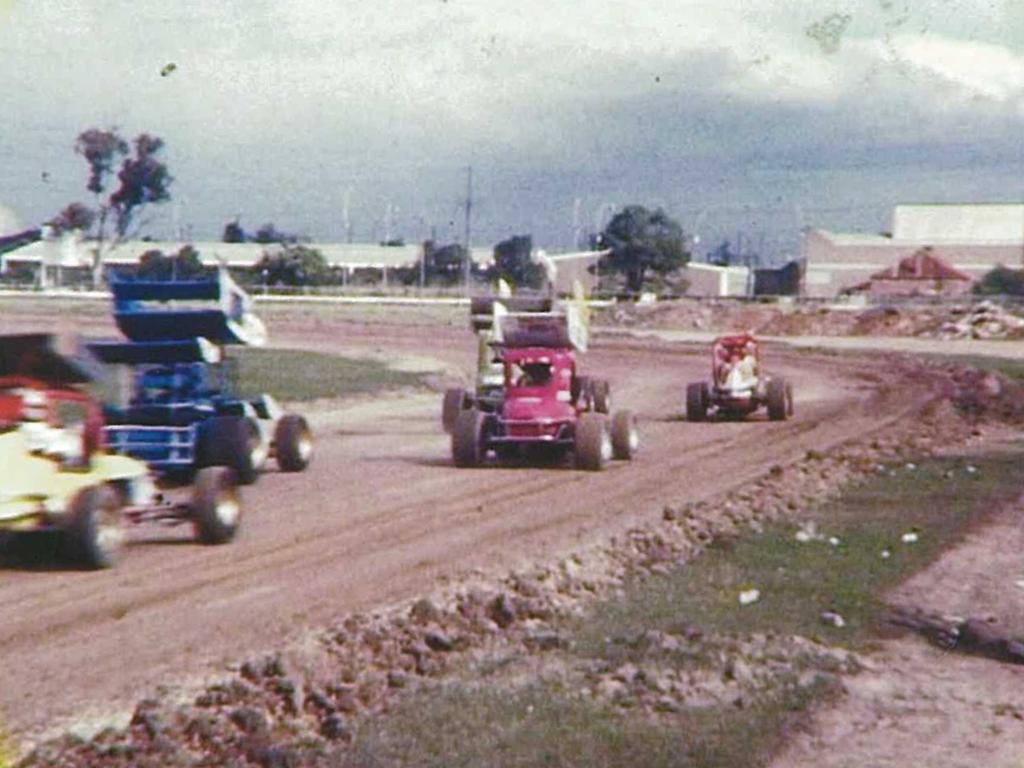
[
  {"x": 469, "y": 444},
  {"x": 593, "y": 446},
  {"x": 453, "y": 404},
  {"x": 625, "y": 437},
  {"x": 216, "y": 509},
  {"x": 293, "y": 443},
  {"x": 697, "y": 399},
  {"x": 780, "y": 400},
  {"x": 96, "y": 528}
]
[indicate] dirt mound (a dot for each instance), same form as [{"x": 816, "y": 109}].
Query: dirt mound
[{"x": 984, "y": 320}]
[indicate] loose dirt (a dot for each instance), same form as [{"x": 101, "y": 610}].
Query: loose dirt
[{"x": 381, "y": 515}]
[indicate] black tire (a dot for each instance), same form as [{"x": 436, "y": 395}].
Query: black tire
[
  {"x": 789, "y": 399},
  {"x": 469, "y": 440},
  {"x": 227, "y": 441},
  {"x": 216, "y": 508},
  {"x": 293, "y": 443},
  {"x": 779, "y": 406},
  {"x": 602, "y": 392},
  {"x": 95, "y": 530},
  {"x": 582, "y": 392},
  {"x": 625, "y": 437},
  {"x": 455, "y": 401},
  {"x": 697, "y": 400},
  {"x": 593, "y": 443},
  {"x": 259, "y": 446}
]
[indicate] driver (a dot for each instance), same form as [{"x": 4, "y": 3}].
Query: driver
[{"x": 534, "y": 375}]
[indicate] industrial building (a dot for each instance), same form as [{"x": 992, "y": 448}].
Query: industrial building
[{"x": 972, "y": 238}]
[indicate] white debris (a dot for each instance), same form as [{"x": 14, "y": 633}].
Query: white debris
[
  {"x": 808, "y": 532},
  {"x": 886, "y": 554},
  {"x": 911, "y": 466},
  {"x": 1019, "y": 583},
  {"x": 833, "y": 618},
  {"x": 909, "y": 537},
  {"x": 833, "y": 540},
  {"x": 971, "y": 469},
  {"x": 749, "y": 596}
]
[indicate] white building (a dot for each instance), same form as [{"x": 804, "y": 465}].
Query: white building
[{"x": 972, "y": 237}]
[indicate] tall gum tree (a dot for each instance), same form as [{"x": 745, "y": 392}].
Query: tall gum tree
[{"x": 142, "y": 181}]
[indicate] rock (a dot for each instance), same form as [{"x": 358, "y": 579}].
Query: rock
[
  {"x": 833, "y": 619},
  {"x": 737, "y": 670},
  {"x": 610, "y": 689},
  {"x": 666, "y": 704},
  {"x": 424, "y": 611},
  {"x": 437, "y": 640},
  {"x": 628, "y": 673},
  {"x": 248, "y": 720},
  {"x": 397, "y": 678},
  {"x": 320, "y": 701},
  {"x": 545, "y": 640},
  {"x": 334, "y": 728},
  {"x": 501, "y": 611}
]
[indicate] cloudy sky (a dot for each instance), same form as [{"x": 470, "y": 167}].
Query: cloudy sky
[{"x": 758, "y": 116}]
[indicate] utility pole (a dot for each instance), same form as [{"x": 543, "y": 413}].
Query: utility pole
[
  {"x": 469, "y": 209},
  {"x": 346, "y": 220}
]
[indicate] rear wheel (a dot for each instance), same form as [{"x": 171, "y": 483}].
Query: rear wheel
[
  {"x": 625, "y": 437},
  {"x": 593, "y": 446},
  {"x": 293, "y": 443},
  {"x": 228, "y": 441},
  {"x": 602, "y": 392},
  {"x": 95, "y": 531},
  {"x": 216, "y": 510},
  {"x": 259, "y": 445},
  {"x": 454, "y": 403},
  {"x": 697, "y": 399},
  {"x": 779, "y": 397},
  {"x": 582, "y": 391},
  {"x": 468, "y": 438}
]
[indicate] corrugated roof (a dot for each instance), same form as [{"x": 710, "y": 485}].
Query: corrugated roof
[
  {"x": 933, "y": 224},
  {"x": 352, "y": 255}
]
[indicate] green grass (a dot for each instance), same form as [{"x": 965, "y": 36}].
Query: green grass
[
  {"x": 296, "y": 375},
  {"x": 541, "y": 725},
  {"x": 545, "y": 724},
  {"x": 939, "y": 499}
]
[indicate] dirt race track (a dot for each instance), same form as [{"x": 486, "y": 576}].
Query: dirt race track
[{"x": 382, "y": 515}]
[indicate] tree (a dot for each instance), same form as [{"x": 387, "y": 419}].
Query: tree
[
  {"x": 185, "y": 264},
  {"x": 294, "y": 265},
  {"x": 268, "y": 233},
  {"x": 75, "y": 216},
  {"x": 642, "y": 241},
  {"x": 723, "y": 255},
  {"x": 233, "y": 233},
  {"x": 142, "y": 180},
  {"x": 513, "y": 262},
  {"x": 1001, "y": 281},
  {"x": 444, "y": 264}
]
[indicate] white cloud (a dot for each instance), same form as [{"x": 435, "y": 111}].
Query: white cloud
[{"x": 976, "y": 69}]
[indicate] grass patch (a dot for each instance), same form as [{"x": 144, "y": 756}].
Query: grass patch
[
  {"x": 1011, "y": 368},
  {"x": 296, "y": 375},
  {"x": 938, "y": 499},
  {"x": 540, "y": 725},
  {"x": 548, "y": 724}
]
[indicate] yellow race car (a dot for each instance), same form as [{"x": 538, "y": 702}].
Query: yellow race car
[{"x": 57, "y": 477}]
